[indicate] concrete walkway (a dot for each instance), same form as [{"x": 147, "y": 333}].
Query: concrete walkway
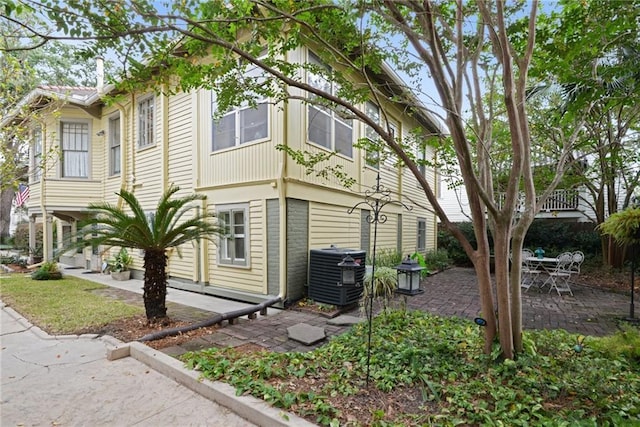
[{"x": 67, "y": 381}]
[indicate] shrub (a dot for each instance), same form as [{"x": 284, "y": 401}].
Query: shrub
[
  {"x": 386, "y": 258},
  {"x": 625, "y": 342},
  {"x": 554, "y": 236},
  {"x": 437, "y": 259},
  {"x": 47, "y": 271}
]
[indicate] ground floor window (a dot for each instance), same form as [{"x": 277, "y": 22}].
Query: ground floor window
[
  {"x": 421, "y": 240},
  {"x": 233, "y": 245}
]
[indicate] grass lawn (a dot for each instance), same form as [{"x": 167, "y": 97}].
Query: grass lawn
[
  {"x": 430, "y": 370},
  {"x": 62, "y": 306}
]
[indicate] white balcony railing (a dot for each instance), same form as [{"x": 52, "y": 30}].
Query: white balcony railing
[{"x": 559, "y": 200}]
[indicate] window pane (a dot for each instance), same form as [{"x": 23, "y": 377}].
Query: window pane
[
  {"x": 114, "y": 143},
  {"x": 319, "y": 127},
  {"x": 75, "y": 150},
  {"x": 239, "y": 246},
  {"x": 224, "y": 132},
  {"x": 253, "y": 124},
  {"x": 145, "y": 122},
  {"x": 344, "y": 134}
]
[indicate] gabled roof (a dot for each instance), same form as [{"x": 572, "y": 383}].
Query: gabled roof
[{"x": 75, "y": 95}]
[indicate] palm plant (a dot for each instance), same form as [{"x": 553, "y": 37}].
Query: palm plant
[{"x": 169, "y": 227}]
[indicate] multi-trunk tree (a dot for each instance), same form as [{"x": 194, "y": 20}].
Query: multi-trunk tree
[{"x": 467, "y": 61}]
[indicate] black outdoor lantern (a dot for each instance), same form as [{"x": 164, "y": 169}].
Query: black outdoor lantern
[
  {"x": 348, "y": 270},
  {"x": 409, "y": 277}
]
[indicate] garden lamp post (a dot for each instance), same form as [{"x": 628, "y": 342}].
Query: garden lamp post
[{"x": 409, "y": 272}]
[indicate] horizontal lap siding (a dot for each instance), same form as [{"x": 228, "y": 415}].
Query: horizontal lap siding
[
  {"x": 252, "y": 279},
  {"x": 412, "y": 190},
  {"x": 332, "y": 225},
  {"x": 180, "y": 140},
  {"x": 180, "y": 173}
]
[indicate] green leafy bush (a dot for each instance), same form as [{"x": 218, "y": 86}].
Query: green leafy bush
[
  {"x": 440, "y": 362},
  {"x": 437, "y": 260},
  {"x": 386, "y": 258},
  {"x": 553, "y": 235},
  {"x": 625, "y": 343},
  {"x": 121, "y": 261},
  {"x": 385, "y": 283},
  {"x": 47, "y": 271}
]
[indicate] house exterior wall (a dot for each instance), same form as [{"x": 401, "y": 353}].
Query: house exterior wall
[{"x": 288, "y": 211}]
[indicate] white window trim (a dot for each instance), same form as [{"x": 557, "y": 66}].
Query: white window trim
[
  {"x": 418, "y": 221},
  {"x": 145, "y": 99},
  {"x": 112, "y": 164},
  {"x": 231, "y": 262},
  {"x": 89, "y": 149},
  {"x": 366, "y": 128},
  {"x": 238, "y": 128},
  {"x": 36, "y": 156},
  {"x": 237, "y": 112},
  {"x": 333, "y": 117}
]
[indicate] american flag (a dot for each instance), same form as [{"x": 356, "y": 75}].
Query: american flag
[{"x": 22, "y": 195}]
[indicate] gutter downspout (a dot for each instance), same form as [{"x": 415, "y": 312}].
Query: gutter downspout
[{"x": 282, "y": 201}]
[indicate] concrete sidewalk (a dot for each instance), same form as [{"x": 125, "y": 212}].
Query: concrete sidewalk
[{"x": 67, "y": 381}]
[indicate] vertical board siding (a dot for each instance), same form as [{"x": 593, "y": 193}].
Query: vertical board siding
[{"x": 297, "y": 248}]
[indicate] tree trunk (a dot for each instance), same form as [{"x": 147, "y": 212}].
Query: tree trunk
[
  {"x": 501, "y": 237},
  {"x": 155, "y": 284},
  {"x": 6, "y": 198},
  {"x": 515, "y": 278}
]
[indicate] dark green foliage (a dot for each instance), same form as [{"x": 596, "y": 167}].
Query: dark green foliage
[
  {"x": 554, "y": 236},
  {"x": 176, "y": 221},
  {"x": 441, "y": 359},
  {"x": 386, "y": 258},
  {"x": 47, "y": 271},
  {"x": 437, "y": 260}
]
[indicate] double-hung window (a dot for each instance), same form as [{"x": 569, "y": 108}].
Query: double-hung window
[
  {"x": 373, "y": 155},
  {"x": 146, "y": 122},
  {"x": 421, "y": 240},
  {"x": 245, "y": 123},
  {"x": 234, "y": 242},
  {"x": 36, "y": 165},
  {"x": 325, "y": 126},
  {"x": 74, "y": 139},
  {"x": 420, "y": 159},
  {"x": 114, "y": 146}
]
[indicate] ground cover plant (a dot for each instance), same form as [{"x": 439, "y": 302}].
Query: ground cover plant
[
  {"x": 427, "y": 369},
  {"x": 62, "y": 306}
]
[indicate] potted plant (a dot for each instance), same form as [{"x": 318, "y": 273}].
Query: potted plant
[
  {"x": 119, "y": 265},
  {"x": 624, "y": 228}
]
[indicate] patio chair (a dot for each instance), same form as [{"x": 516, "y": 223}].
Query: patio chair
[
  {"x": 530, "y": 274},
  {"x": 578, "y": 258},
  {"x": 559, "y": 277}
]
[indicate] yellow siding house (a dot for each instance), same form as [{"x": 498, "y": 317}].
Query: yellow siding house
[{"x": 275, "y": 212}]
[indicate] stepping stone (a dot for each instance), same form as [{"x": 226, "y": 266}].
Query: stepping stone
[
  {"x": 306, "y": 334},
  {"x": 344, "y": 320}
]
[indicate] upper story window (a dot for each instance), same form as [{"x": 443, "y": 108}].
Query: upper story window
[
  {"x": 146, "y": 114},
  {"x": 114, "y": 146},
  {"x": 234, "y": 243},
  {"x": 325, "y": 126},
  {"x": 373, "y": 156},
  {"x": 36, "y": 162},
  {"x": 421, "y": 156},
  {"x": 245, "y": 123},
  {"x": 74, "y": 138}
]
